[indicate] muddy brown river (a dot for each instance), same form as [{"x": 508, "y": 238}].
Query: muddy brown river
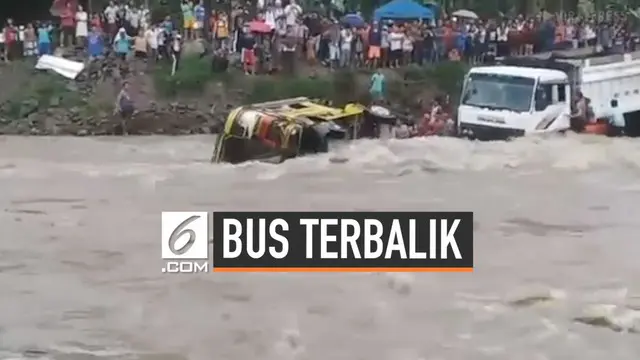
[{"x": 556, "y": 274}]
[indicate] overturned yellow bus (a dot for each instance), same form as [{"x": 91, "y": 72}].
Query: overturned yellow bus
[{"x": 279, "y": 130}]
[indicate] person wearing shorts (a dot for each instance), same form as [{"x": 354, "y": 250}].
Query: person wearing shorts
[
  {"x": 374, "y": 53},
  {"x": 221, "y": 31},
  {"x": 124, "y": 107},
  {"x": 249, "y": 60},
  {"x": 188, "y": 19},
  {"x": 199, "y": 12}
]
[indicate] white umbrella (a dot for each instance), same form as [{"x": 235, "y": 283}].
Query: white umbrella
[{"x": 465, "y": 14}]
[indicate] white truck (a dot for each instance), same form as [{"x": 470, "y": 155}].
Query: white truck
[{"x": 530, "y": 95}]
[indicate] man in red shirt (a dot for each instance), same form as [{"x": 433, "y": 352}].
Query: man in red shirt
[
  {"x": 11, "y": 41},
  {"x": 68, "y": 22}
]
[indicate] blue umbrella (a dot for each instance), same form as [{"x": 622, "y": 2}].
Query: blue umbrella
[{"x": 353, "y": 20}]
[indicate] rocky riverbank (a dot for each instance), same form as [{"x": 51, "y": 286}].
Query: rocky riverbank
[
  {"x": 195, "y": 101},
  {"x": 173, "y": 119}
]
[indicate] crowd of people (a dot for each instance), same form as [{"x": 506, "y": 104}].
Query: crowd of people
[
  {"x": 280, "y": 34},
  {"x": 122, "y": 29}
]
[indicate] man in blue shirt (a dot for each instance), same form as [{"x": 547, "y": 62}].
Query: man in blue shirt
[
  {"x": 44, "y": 39},
  {"x": 461, "y": 42},
  {"x": 200, "y": 17},
  {"x": 96, "y": 45}
]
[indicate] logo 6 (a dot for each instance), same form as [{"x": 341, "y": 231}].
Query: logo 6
[{"x": 185, "y": 235}]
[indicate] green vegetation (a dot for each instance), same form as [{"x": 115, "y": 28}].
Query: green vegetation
[
  {"x": 191, "y": 79},
  {"x": 339, "y": 87},
  {"x": 447, "y": 77},
  {"x": 40, "y": 91}
]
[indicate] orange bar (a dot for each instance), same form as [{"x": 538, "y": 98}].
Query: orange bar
[{"x": 333, "y": 270}]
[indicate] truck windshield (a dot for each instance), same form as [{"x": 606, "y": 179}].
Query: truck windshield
[{"x": 498, "y": 92}]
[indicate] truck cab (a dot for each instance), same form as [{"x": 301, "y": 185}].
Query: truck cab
[
  {"x": 533, "y": 94},
  {"x": 501, "y": 102}
]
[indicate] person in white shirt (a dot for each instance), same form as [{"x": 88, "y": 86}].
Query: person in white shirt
[
  {"x": 21, "y": 39},
  {"x": 3, "y": 49},
  {"x": 300, "y": 32},
  {"x": 334, "y": 45},
  {"x": 589, "y": 35},
  {"x": 161, "y": 35},
  {"x": 292, "y": 12},
  {"x": 176, "y": 51},
  {"x": 278, "y": 11},
  {"x": 82, "y": 27},
  {"x": 346, "y": 41},
  {"x": 572, "y": 34},
  {"x": 270, "y": 18},
  {"x": 407, "y": 49},
  {"x": 281, "y": 26},
  {"x": 111, "y": 15},
  {"x": 385, "y": 55},
  {"x": 502, "y": 35},
  {"x": 152, "y": 41},
  {"x": 134, "y": 16},
  {"x": 396, "y": 38},
  {"x": 144, "y": 18},
  {"x": 481, "y": 36}
]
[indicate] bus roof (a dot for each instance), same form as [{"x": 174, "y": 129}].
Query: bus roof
[{"x": 304, "y": 107}]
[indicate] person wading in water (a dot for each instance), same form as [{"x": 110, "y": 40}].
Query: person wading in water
[
  {"x": 579, "y": 118},
  {"x": 124, "y": 106}
]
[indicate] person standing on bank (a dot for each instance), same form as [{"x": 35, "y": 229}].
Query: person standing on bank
[
  {"x": 82, "y": 27},
  {"x": 188, "y": 19},
  {"x": 377, "y": 87},
  {"x": 95, "y": 43},
  {"x": 176, "y": 51},
  {"x": 10, "y": 34},
  {"x": 140, "y": 45},
  {"x": 30, "y": 41},
  {"x": 68, "y": 22},
  {"x": 124, "y": 106},
  {"x": 44, "y": 39},
  {"x": 122, "y": 44}
]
